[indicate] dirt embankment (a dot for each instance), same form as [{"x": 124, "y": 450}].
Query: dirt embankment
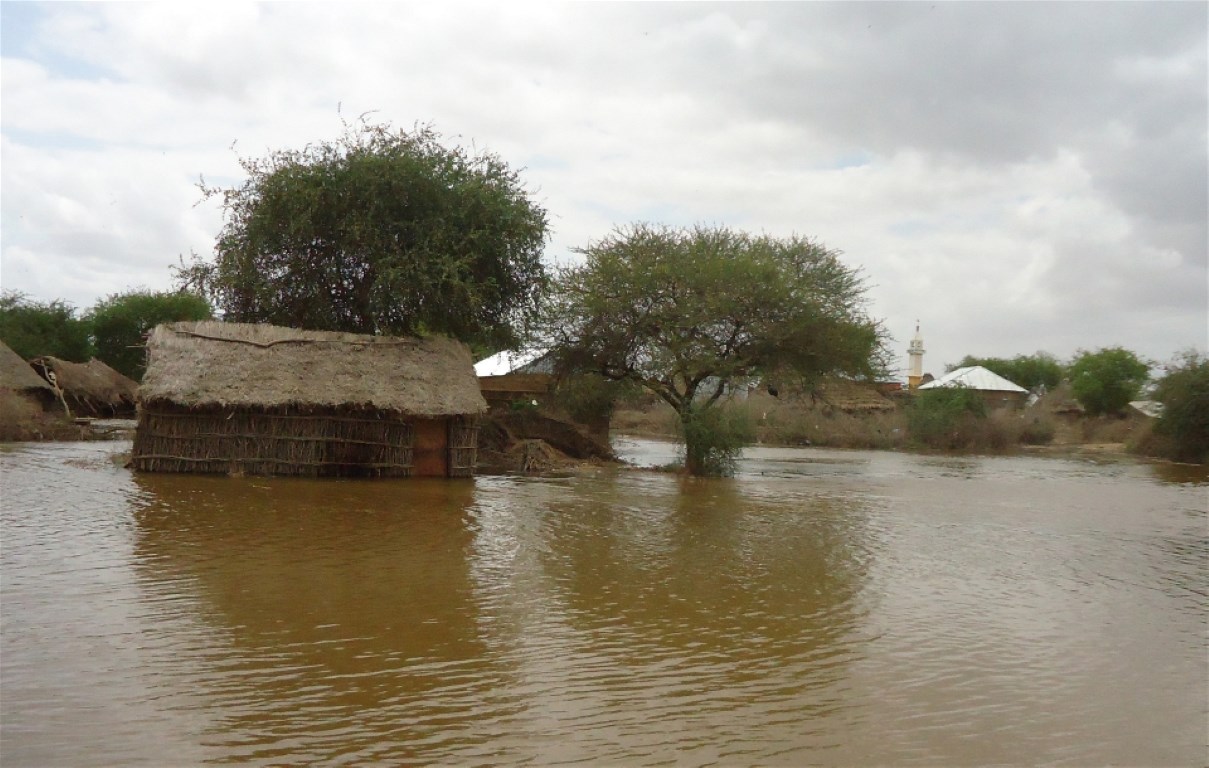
[
  {"x": 22, "y": 419},
  {"x": 528, "y": 442}
]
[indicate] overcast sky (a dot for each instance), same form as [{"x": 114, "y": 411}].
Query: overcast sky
[{"x": 1017, "y": 177}]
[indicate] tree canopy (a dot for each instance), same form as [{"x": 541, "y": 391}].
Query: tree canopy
[
  {"x": 380, "y": 231},
  {"x": 32, "y": 328},
  {"x": 685, "y": 312},
  {"x": 1029, "y": 371},
  {"x": 1106, "y": 380},
  {"x": 120, "y": 322}
]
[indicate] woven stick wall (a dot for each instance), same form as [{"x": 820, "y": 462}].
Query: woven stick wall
[
  {"x": 463, "y": 445},
  {"x": 280, "y": 442}
]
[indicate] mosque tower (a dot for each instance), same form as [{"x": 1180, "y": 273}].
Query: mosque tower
[{"x": 915, "y": 352}]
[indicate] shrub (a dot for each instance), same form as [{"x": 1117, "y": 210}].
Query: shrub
[
  {"x": 1184, "y": 393},
  {"x": 945, "y": 418},
  {"x": 1037, "y": 429},
  {"x": 715, "y": 436}
]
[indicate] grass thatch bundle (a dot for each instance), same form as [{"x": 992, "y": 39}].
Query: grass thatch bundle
[
  {"x": 16, "y": 375},
  {"x": 92, "y": 388},
  {"x": 210, "y": 363}
]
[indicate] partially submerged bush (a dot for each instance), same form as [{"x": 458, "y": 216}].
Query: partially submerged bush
[
  {"x": 946, "y": 418},
  {"x": 714, "y": 438},
  {"x": 1184, "y": 393}
]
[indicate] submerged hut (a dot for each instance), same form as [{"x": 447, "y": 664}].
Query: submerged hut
[
  {"x": 90, "y": 389},
  {"x": 265, "y": 400},
  {"x": 18, "y": 380}
]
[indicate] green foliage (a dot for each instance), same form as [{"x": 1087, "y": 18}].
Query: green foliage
[
  {"x": 939, "y": 418},
  {"x": 1184, "y": 393},
  {"x": 685, "y": 312},
  {"x": 33, "y": 329},
  {"x": 381, "y": 231},
  {"x": 120, "y": 322},
  {"x": 1106, "y": 380},
  {"x": 1029, "y": 371},
  {"x": 588, "y": 397},
  {"x": 714, "y": 439}
]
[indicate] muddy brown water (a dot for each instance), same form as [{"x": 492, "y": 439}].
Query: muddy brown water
[{"x": 822, "y": 607}]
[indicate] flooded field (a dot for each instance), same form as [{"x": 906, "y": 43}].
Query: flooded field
[{"x": 822, "y": 607}]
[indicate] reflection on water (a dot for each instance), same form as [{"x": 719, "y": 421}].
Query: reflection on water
[{"x": 822, "y": 607}]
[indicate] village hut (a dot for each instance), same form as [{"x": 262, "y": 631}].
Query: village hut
[
  {"x": 90, "y": 389},
  {"x": 17, "y": 379},
  {"x": 997, "y": 391},
  {"x": 265, "y": 400}
]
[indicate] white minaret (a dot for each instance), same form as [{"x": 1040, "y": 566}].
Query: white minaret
[{"x": 915, "y": 353}]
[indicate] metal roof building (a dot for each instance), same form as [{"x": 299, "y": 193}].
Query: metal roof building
[{"x": 974, "y": 377}]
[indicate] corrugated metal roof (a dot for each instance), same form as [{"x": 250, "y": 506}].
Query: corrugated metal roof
[
  {"x": 974, "y": 377},
  {"x": 502, "y": 363}
]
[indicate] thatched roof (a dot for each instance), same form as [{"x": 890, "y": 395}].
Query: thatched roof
[
  {"x": 15, "y": 373},
  {"x": 853, "y": 396},
  {"x": 92, "y": 385},
  {"x": 209, "y": 363}
]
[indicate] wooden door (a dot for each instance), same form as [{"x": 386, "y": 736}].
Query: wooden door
[{"x": 430, "y": 448}]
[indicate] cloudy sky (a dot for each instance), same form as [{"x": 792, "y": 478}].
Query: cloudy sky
[{"x": 1017, "y": 176}]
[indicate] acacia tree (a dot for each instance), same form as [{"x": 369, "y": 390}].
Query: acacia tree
[
  {"x": 120, "y": 322},
  {"x": 381, "y": 231},
  {"x": 1106, "y": 380},
  {"x": 685, "y": 312}
]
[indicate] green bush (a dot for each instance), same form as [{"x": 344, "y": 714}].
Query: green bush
[
  {"x": 714, "y": 439},
  {"x": 32, "y": 329},
  {"x": 1184, "y": 393},
  {"x": 120, "y": 322},
  {"x": 1105, "y": 381},
  {"x": 946, "y": 417}
]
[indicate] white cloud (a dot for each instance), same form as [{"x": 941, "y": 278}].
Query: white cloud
[{"x": 1017, "y": 176}]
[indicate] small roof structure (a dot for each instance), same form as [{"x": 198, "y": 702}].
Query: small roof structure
[
  {"x": 15, "y": 374},
  {"x": 211, "y": 363},
  {"x": 506, "y": 362},
  {"x": 974, "y": 377},
  {"x": 1151, "y": 408}
]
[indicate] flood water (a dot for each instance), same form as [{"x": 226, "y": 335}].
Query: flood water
[{"x": 823, "y": 607}]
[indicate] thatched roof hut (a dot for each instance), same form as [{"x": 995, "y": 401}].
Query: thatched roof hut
[
  {"x": 92, "y": 388},
  {"x": 261, "y": 399},
  {"x": 17, "y": 376}
]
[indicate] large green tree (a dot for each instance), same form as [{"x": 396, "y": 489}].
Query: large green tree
[
  {"x": 685, "y": 312},
  {"x": 34, "y": 328},
  {"x": 380, "y": 231},
  {"x": 1029, "y": 371},
  {"x": 120, "y": 322},
  {"x": 1106, "y": 380}
]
